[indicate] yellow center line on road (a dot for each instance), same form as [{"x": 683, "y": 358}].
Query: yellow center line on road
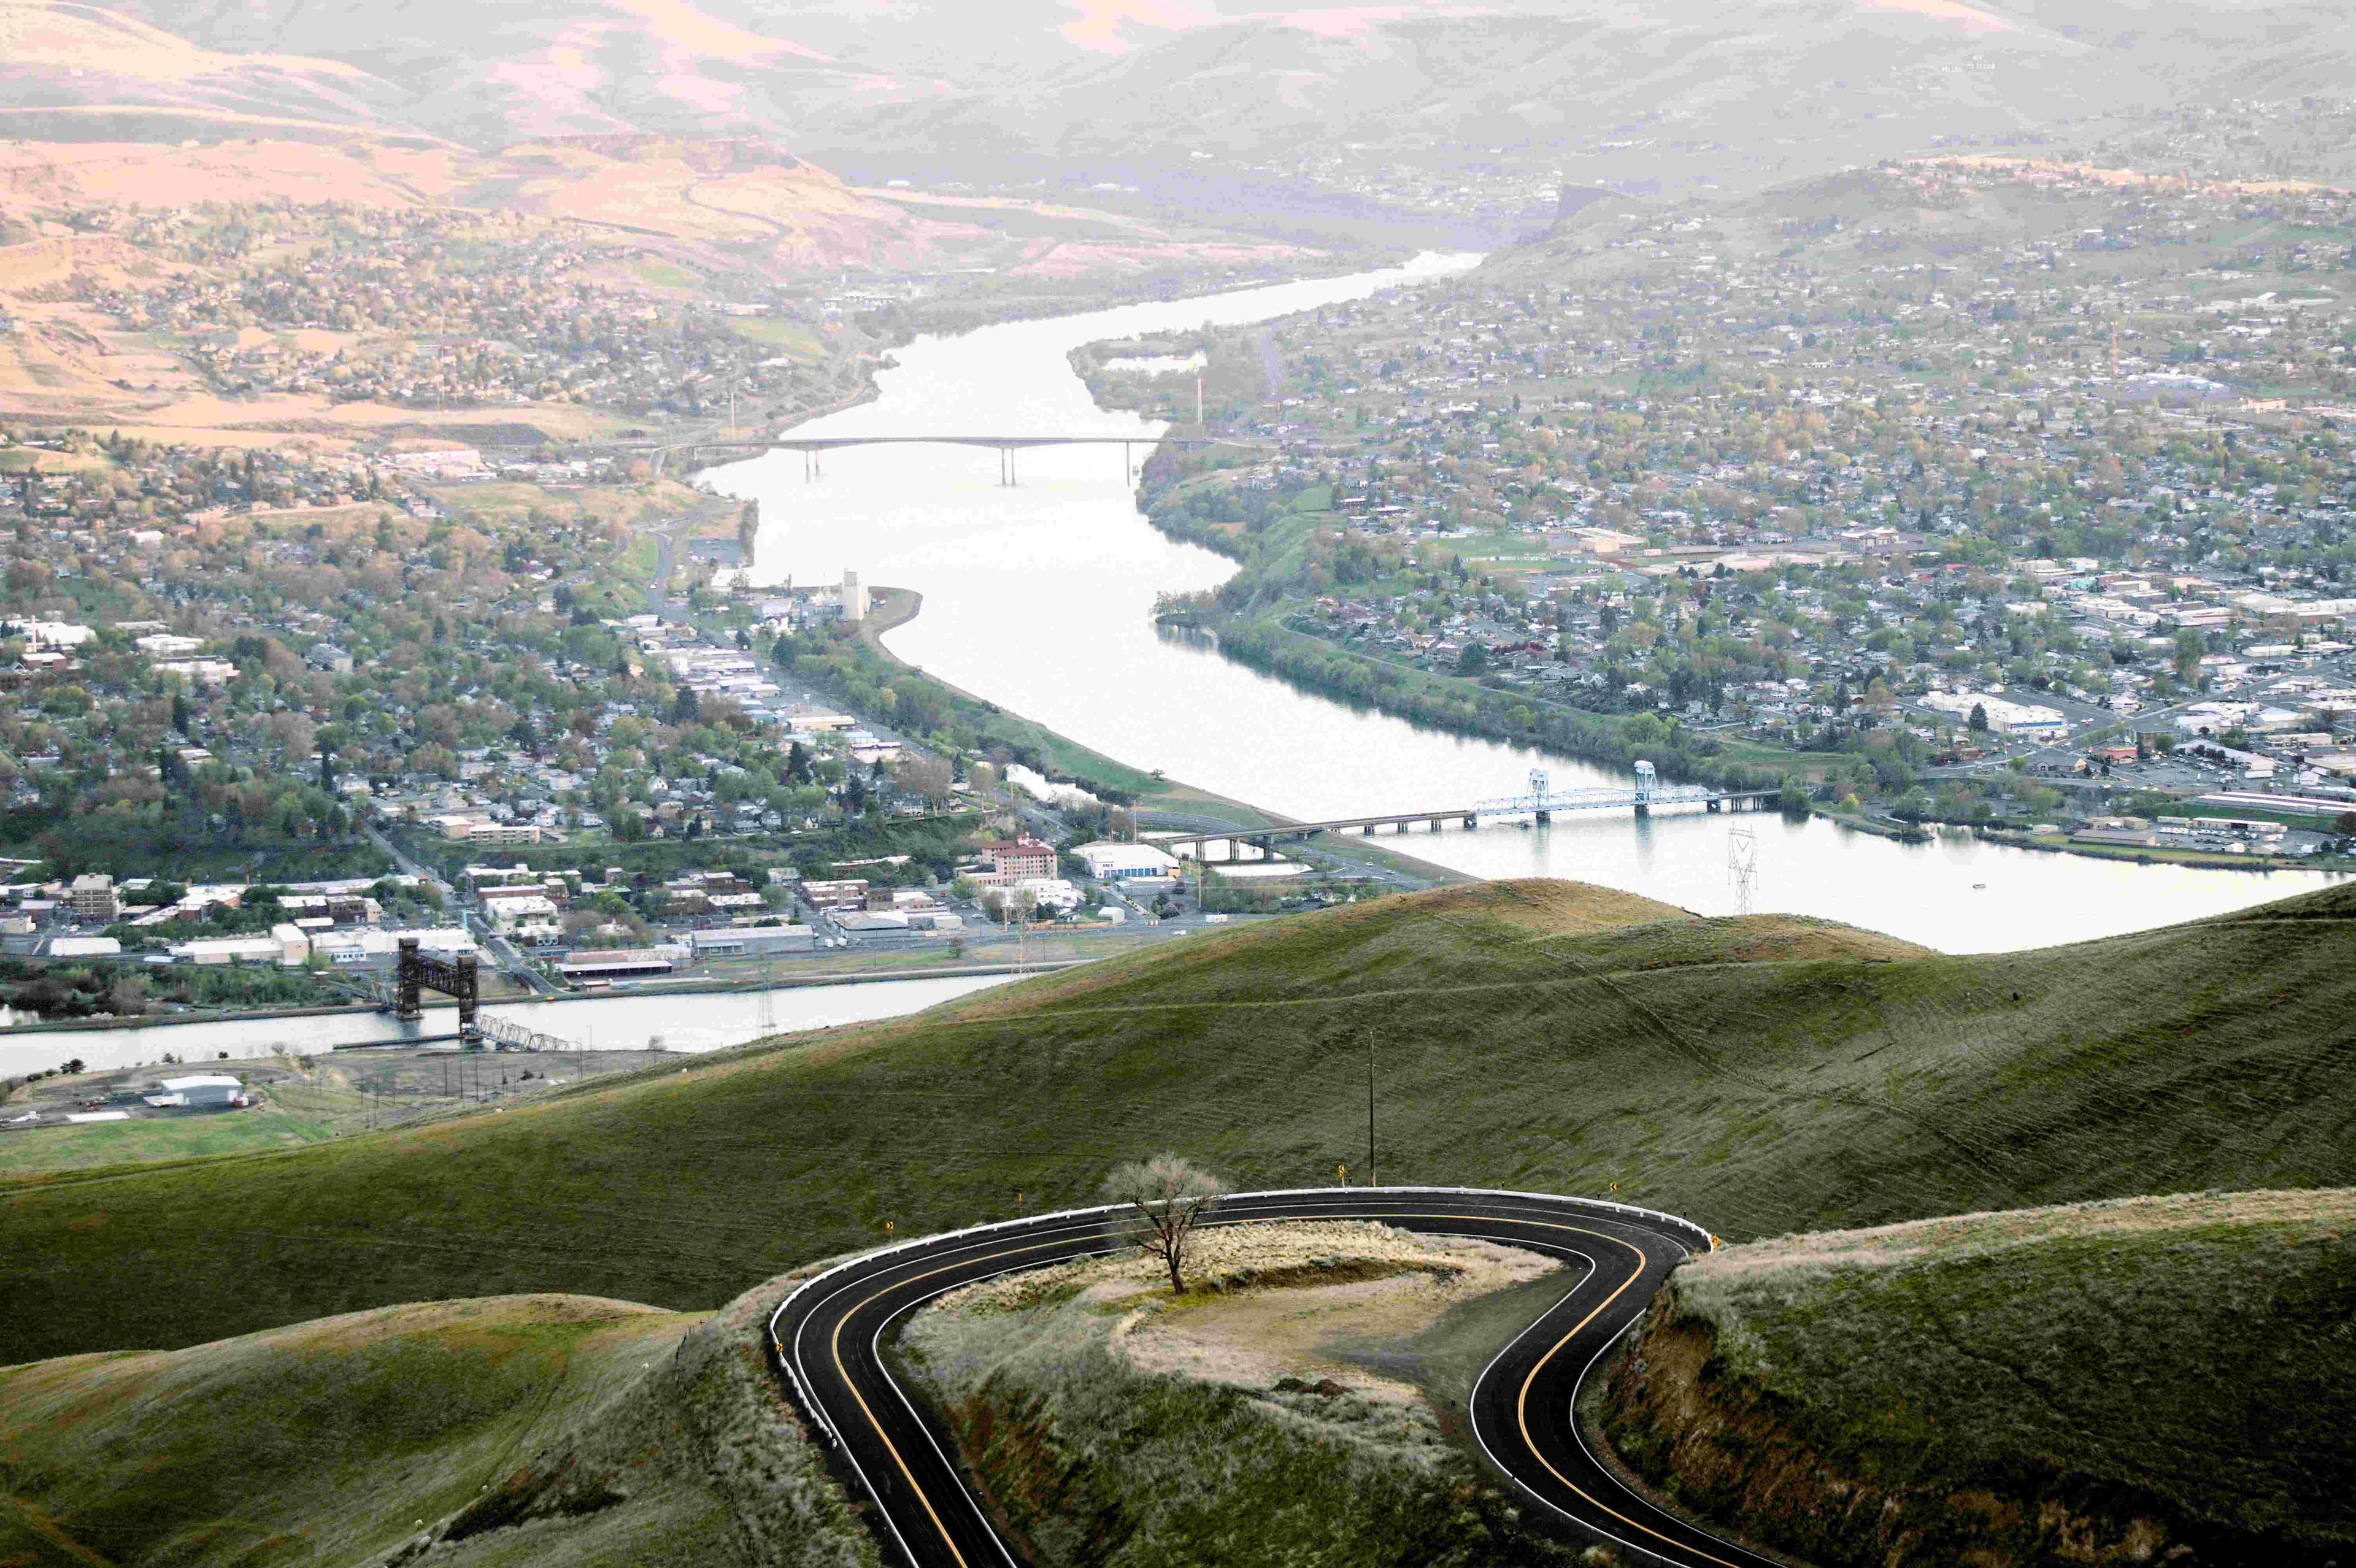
[
  {"x": 1522, "y": 1399},
  {"x": 835, "y": 1348},
  {"x": 1521, "y": 1403}
]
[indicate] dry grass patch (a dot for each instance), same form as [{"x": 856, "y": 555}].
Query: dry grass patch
[
  {"x": 1270, "y": 1301},
  {"x": 1111, "y": 1422}
]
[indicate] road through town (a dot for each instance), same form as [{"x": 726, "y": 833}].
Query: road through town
[{"x": 828, "y": 1337}]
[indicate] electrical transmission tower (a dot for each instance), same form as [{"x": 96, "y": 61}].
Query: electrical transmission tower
[{"x": 1742, "y": 868}]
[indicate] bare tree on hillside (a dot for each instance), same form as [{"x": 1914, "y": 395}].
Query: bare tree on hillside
[{"x": 1161, "y": 1200}]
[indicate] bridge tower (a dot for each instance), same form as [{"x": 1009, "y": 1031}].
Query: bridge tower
[
  {"x": 1646, "y": 781},
  {"x": 458, "y": 978},
  {"x": 1541, "y": 791}
]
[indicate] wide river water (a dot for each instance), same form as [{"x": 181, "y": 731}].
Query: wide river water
[
  {"x": 1040, "y": 597},
  {"x": 689, "y": 1021}
]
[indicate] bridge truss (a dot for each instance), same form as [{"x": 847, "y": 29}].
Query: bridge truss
[
  {"x": 1543, "y": 801},
  {"x": 459, "y": 977}
]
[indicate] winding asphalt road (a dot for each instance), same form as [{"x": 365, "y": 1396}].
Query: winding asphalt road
[{"x": 827, "y": 1338}]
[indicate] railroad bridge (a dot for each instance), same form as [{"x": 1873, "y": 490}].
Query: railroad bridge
[{"x": 458, "y": 977}]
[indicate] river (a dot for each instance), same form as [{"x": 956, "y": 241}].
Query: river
[
  {"x": 1039, "y": 597},
  {"x": 693, "y": 1021}
]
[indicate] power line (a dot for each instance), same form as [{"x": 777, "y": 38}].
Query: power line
[{"x": 1742, "y": 868}]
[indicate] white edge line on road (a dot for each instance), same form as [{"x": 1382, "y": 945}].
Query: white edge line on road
[
  {"x": 810, "y": 1405},
  {"x": 876, "y": 1349},
  {"x": 1473, "y": 1418},
  {"x": 1102, "y": 1209},
  {"x": 1473, "y": 1404},
  {"x": 1580, "y": 1438}
]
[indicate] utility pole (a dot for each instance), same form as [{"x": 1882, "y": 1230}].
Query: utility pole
[{"x": 1370, "y": 1110}]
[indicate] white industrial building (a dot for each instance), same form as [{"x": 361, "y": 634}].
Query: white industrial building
[
  {"x": 208, "y": 951},
  {"x": 203, "y": 1091},
  {"x": 1111, "y": 862},
  {"x": 2004, "y": 716},
  {"x": 757, "y": 940},
  {"x": 292, "y": 946},
  {"x": 82, "y": 947},
  {"x": 1048, "y": 893}
]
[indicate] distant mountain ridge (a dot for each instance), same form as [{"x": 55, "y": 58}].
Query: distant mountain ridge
[{"x": 1674, "y": 96}]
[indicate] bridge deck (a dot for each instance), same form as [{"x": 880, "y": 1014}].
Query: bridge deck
[
  {"x": 1002, "y": 442},
  {"x": 1469, "y": 816}
]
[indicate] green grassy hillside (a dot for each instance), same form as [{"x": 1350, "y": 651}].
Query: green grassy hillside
[
  {"x": 329, "y": 1441},
  {"x": 1762, "y": 1075},
  {"x": 565, "y": 1432},
  {"x": 2117, "y": 1382}
]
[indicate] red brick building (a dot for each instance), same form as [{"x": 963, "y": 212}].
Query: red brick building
[{"x": 1011, "y": 860}]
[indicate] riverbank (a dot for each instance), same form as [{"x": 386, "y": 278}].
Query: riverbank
[
  {"x": 1455, "y": 705},
  {"x": 1304, "y": 561},
  {"x": 1187, "y": 808},
  {"x": 1928, "y": 831},
  {"x": 1040, "y": 600},
  {"x": 697, "y": 986}
]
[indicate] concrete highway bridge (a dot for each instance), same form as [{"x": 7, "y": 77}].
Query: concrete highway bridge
[
  {"x": 1541, "y": 805},
  {"x": 813, "y": 448}
]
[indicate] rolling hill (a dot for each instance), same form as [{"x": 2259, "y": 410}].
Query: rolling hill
[
  {"x": 564, "y": 1432},
  {"x": 1195, "y": 105},
  {"x": 1761, "y": 1074},
  {"x": 73, "y": 70},
  {"x": 2152, "y": 1380}
]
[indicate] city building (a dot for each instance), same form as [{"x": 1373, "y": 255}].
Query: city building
[
  {"x": 204, "y": 1091},
  {"x": 1047, "y": 894},
  {"x": 1111, "y": 862},
  {"x": 841, "y": 892},
  {"x": 1012, "y": 859},
  {"x": 756, "y": 941},
  {"x": 619, "y": 964},
  {"x": 93, "y": 900},
  {"x": 803, "y": 715},
  {"x": 2030, "y": 720}
]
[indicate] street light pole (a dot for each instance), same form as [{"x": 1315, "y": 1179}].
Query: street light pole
[{"x": 1370, "y": 1110}]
